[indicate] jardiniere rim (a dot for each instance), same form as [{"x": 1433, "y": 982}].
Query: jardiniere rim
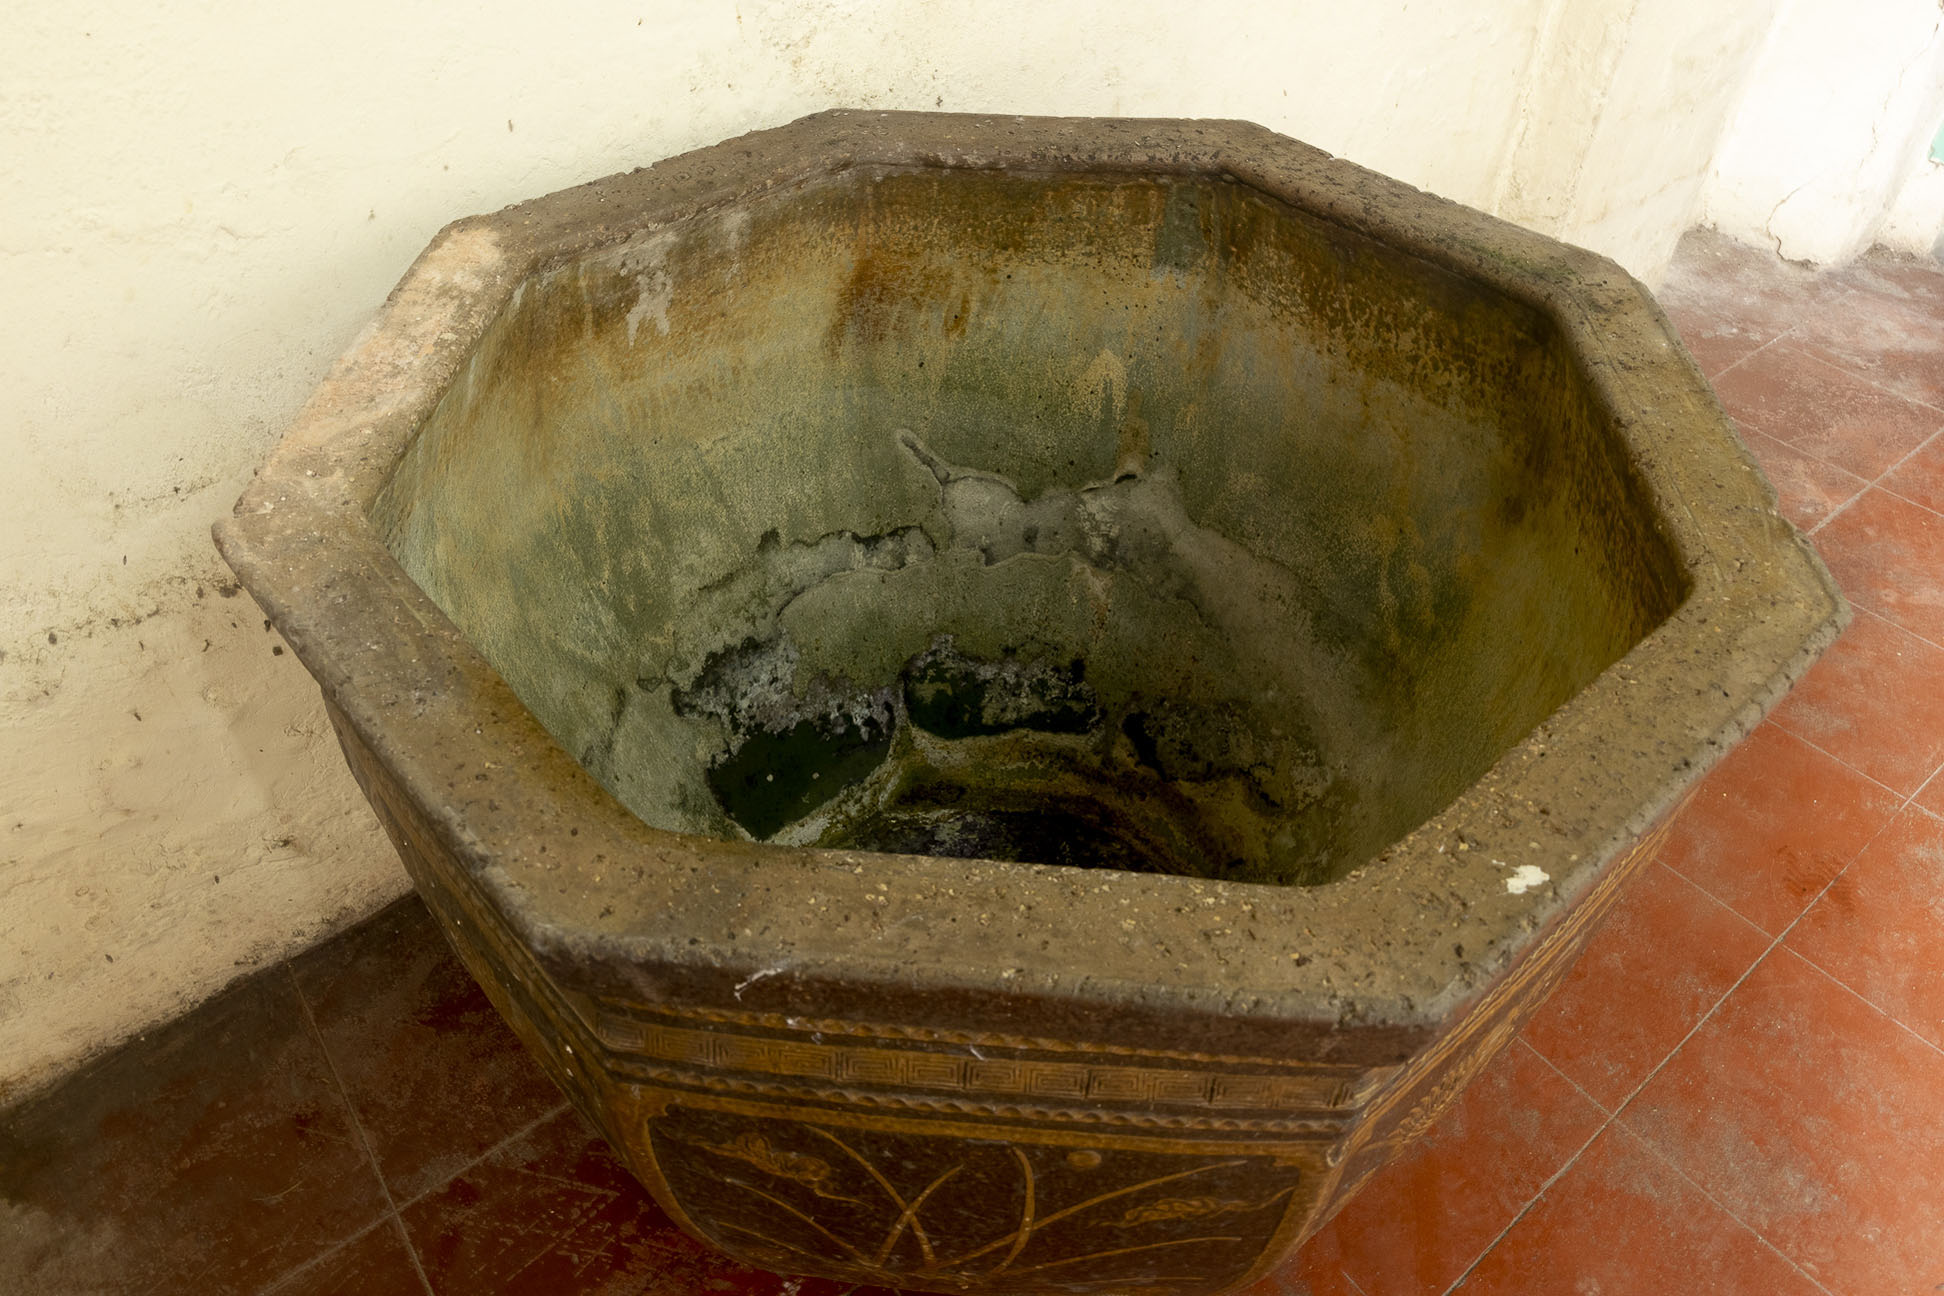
[{"x": 1364, "y": 969}]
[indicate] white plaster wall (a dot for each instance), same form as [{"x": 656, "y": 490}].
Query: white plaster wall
[
  {"x": 1838, "y": 111},
  {"x": 205, "y": 200},
  {"x": 1675, "y": 78},
  {"x": 1619, "y": 117},
  {"x": 1915, "y": 224}
]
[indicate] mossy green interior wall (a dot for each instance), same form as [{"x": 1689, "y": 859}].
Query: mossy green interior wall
[{"x": 1434, "y": 541}]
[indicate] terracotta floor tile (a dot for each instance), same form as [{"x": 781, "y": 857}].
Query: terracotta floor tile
[
  {"x": 1421, "y": 1221},
  {"x": 1880, "y": 928},
  {"x": 436, "y": 1077},
  {"x": 1665, "y": 956},
  {"x": 1824, "y": 411},
  {"x": 207, "y": 1157},
  {"x": 1895, "y": 342},
  {"x": 1920, "y": 478},
  {"x": 1888, "y": 555},
  {"x": 1931, "y": 797},
  {"x": 375, "y": 1263},
  {"x": 1716, "y": 342},
  {"x": 1919, "y": 282},
  {"x": 1622, "y": 1222},
  {"x": 1315, "y": 1270},
  {"x": 1876, "y": 702},
  {"x": 1726, "y": 299},
  {"x": 1809, "y": 489},
  {"x": 1773, "y": 823},
  {"x": 1812, "y": 1118},
  {"x": 554, "y": 1211}
]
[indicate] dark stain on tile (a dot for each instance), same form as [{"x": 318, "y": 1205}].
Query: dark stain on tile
[
  {"x": 554, "y": 1211},
  {"x": 374, "y": 1263},
  {"x": 1772, "y": 824},
  {"x": 436, "y": 1077},
  {"x": 202, "y": 1158},
  {"x": 1879, "y": 927}
]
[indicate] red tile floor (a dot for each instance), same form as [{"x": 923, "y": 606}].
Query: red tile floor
[{"x": 1739, "y": 1090}]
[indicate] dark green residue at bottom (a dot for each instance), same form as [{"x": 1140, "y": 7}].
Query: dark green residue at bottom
[
  {"x": 1051, "y": 835},
  {"x": 774, "y": 779}
]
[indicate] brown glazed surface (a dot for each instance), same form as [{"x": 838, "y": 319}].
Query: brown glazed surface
[{"x": 1298, "y": 597}]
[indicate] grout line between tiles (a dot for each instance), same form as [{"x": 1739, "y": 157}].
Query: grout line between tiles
[
  {"x": 1607, "y": 1118},
  {"x": 1925, "y": 787},
  {"x": 1744, "y": 429},
  {"x": 1904, "y": 803},
  {"x": 519, "y": 1133},
  {"x": 1835, "y": 513},
  {"x": 1627, "y": 1103},
  {"x": 1850, "y": 292},
  {"x": 1905, "y": 499},
  {"x": 1683, "y": 1176},
  {"x": 1909, "y": 803},
  {"x": 1621, "y": 1108},
  {"x": 1861, "y": 774},
  {"x": 1850, "y": 990},
  {"x": 295, "y": 1270},
  {"x": 1742, "y": 360},
  {"x": 1744, "y": 919},
  {"x": 1655, "y": 1152},
  {"x": 1898, "y": 625},
  {"x": 1913, "y": 453},
  {"x": 1785, "y": 335},
  {"x": 1554, "y": 1068},
  {"x": 357, "y": 1127},
  {"x": 1874, "y": 483},
  {"x": 1868, "y": 381}
]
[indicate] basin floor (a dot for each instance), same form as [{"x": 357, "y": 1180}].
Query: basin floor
[{"x": 1740, "y": 1089}]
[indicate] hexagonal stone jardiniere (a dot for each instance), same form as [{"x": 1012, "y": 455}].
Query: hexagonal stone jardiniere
[{"x": 1014, "y": 705}]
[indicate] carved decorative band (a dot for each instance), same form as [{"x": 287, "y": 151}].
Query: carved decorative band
[
  {"x": 1009, "y": 1077},
  {"x": 619, "y": 1014},
  {"x": 1313, "y": 1129}
]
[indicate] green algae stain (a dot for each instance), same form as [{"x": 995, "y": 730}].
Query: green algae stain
[{"x": 956, "y": 697}]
